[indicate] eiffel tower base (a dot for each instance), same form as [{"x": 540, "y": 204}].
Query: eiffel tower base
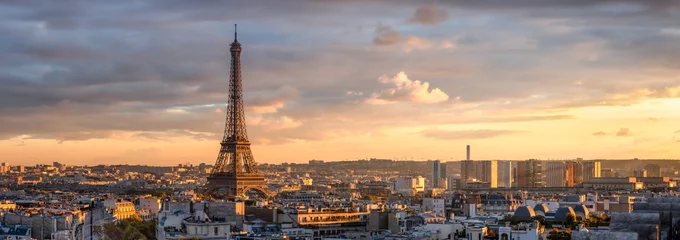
[{"x": 230, "y": 185}]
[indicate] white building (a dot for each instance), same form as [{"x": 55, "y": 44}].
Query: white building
[
  {"x": 153, "y": 205},
  {"x": 434, "y": 205}
]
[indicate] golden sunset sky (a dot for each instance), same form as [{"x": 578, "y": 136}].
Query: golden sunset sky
[{"x": 146, "y": 83}]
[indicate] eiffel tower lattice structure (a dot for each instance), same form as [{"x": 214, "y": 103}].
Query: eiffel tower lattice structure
[{"x": 235, "y": 171}]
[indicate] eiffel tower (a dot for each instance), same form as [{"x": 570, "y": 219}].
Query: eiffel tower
[{"x": 235, "y": 171}]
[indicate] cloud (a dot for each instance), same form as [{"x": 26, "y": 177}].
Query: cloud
[
  {"x": 405, "y": 89},
  {"x": 437, "y": 133},
  {"x": 386, "y": 36},
  {"x": 599, "y": 134},
  {"x": 76, "y": 76},
  {"x": 429, "y": 15},
  {"x": 653, "y": 119},
  {"x": 447, "y": 44},
  {"x": 678, "y": 131},
  {"x": 415, "y": 43},
  {"x": 624, "y": 132},
  {"x": 270, "y": 101},
  {"x": 274, "y": 123}
]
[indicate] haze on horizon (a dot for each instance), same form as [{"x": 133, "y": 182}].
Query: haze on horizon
[{"x": 145, "y": 82}]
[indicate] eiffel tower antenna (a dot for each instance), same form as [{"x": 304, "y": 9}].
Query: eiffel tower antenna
[{"x": 235, "y": 171}]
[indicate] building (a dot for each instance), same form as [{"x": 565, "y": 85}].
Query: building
[
  {"x": 626, "y": 183},
  {"x": 529, "y": 174},
  {"x": 120, "y": 209},
  {"x": 570, "y": 174},
  {"x": 454, "y": 184},
  {"x": 376, "y": 189},
  {"x": 205, "y": 220},
  {"x": 438, "y": 172},
  {"x": 434, "y": 205},
  {"x": 640, "y": 173},
  {"x": 15, "y": 232},
  {"x": 591, "y": 169},
  {"x": 555, "y": 174},
  {"x": 487, "y": 172},
  {"x": 467, "y": 169},
  {"x": 504, "y": 174},
  {"x": 653, "y": 170},
  {"x": 153, "y": 205},
  {"x": 661, "y": 183}
]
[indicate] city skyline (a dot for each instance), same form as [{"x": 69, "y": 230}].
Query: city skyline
[{"x": 380, "y": 80}]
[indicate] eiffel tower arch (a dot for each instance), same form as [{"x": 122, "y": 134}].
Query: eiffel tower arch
[{"x": 235, "y": 171}]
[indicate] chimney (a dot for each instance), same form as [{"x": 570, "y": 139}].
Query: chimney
[{"x": 468, "y": 152}]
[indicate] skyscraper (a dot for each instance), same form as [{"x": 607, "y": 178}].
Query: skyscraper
[
  {"x": 529, "y": 174},
  {"x": 555, "y": 174},
  {"x": 487, "y": 172},
  {"x": 570, "y": 173},
  {"x": 467, "y": 168},
  {"x": 505, "y": 174},
  {"x": 591, "y": 169},
  {"x": 438, "y": 173}
]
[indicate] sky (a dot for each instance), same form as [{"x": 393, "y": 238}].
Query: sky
[{"x": 146, "y": 82}]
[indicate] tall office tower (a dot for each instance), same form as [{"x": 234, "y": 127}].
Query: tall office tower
[
  {"x": 487, "y": 172},
  {"x": 578, "y": 172},
  {"x": 570, "y": 168},
  {"x": 442, "y": 170},
  {"x": 436, "y": 166},
  {"x": 555, "y": 174},
  {"x": 653, "y": 170},
  {"x": 504, "y": 174},
  {"x": 529, "y": 174},
  {"x": 438, "y": 173},
  {"x": 639, "y": 173},
  {"x": 467, "y": 170},
  {"x": 493, "y": 174},
  {"x": 591, "y": 169}
]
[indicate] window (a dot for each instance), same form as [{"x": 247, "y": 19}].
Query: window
[{"x": 215, "y": 230}]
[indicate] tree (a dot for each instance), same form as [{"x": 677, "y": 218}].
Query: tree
[
  {"x": 570, "y": 220},
  {"x": 129, "y": 229}
]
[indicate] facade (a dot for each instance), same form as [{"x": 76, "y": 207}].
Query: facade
[
  {"x": 467, "y": 171},
  {"x": 627, "y": 184},
  {"x": 653, "y": 170},
  {"x": 434, "y": 205},
  {"x": 438, "y": 172},
  {"x": 409, "y": 184},
  {"x": 657, "y": 182},
  {"x": 120, "y": 209},
  {"x": 504, "y": 174},
  {"x": 640, "y": 173},
  {"x": 591, "y": 169},
  {"x": 555, "y": 174},
  {"x": 153, "y": 205},
  {"x": 529, "y": 174}
]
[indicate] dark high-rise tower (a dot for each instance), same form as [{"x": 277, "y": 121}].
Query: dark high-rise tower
[{"x": 235, "y": 170}]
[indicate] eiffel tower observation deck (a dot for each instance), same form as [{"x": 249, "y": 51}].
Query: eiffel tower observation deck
[{"x": 235, "y": 172}]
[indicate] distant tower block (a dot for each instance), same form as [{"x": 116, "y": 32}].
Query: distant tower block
[
  {"x": 235, "y": 171},
  {"x": 468, "y": 153}
]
